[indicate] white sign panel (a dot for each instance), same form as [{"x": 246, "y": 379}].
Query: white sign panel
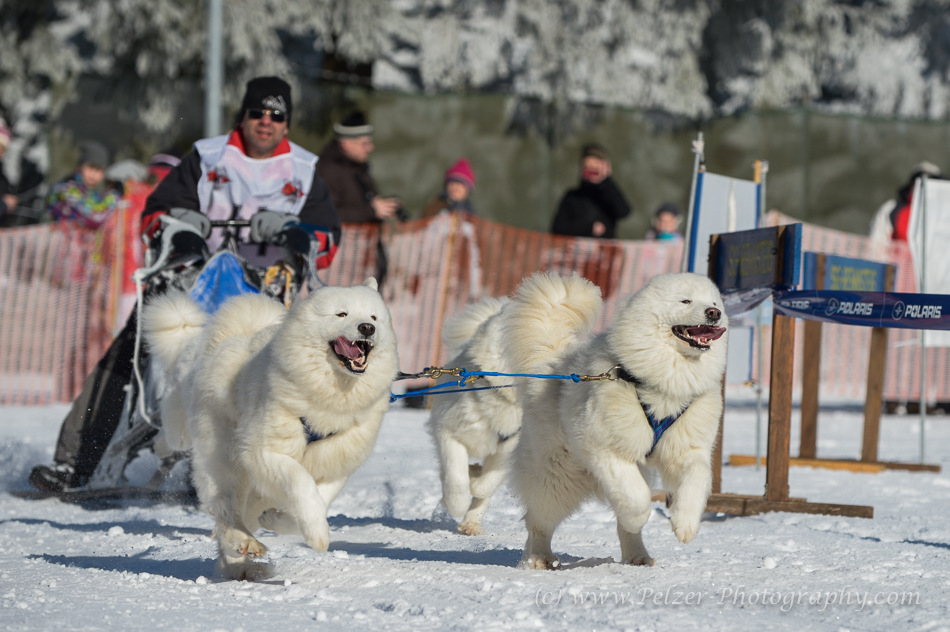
[
  {"x": 928, "y": 233},
  {"x": 724, "y": 205}
]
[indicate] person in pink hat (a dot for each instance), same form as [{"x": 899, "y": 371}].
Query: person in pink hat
[
  {"x": 455, "y": 196},
  {"x": 8, "y": 201}
]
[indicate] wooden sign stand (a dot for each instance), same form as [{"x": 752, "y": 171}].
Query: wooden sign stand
[
  {"x": 811, "y": 369},
  {"x": 776, "y": 497}
]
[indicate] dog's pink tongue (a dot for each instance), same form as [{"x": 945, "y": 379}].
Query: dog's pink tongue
[
  {"x": 706, "y": 332},
  {"x": 346, "y": 348}
]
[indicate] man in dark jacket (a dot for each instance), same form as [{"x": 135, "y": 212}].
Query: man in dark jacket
[
  {"x": 344, "y": 166},
  {"x": 234, "y": 176},
  {"x": 593, "y": 208}
]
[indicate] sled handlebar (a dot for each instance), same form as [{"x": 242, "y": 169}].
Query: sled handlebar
[{"x": 236, "y": 223}]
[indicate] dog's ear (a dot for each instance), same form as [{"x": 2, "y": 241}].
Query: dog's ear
[{"x": 371, "y": 282}]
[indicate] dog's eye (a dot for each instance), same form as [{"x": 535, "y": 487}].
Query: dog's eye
[
  {"x": 373, "y": 317},
  {"x": 686, "y": 301},
  {"x": 342, "y": 314}
]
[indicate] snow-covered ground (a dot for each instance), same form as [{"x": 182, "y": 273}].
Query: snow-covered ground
[{"x": 394, "y": 566}]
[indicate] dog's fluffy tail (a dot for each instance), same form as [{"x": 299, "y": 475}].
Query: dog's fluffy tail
[
  {"x": 171, "y": 323},
  {"x": 549, "y": 314},
  {"x": 460, "y": 328},
  {"x": 243, "y": 315}
]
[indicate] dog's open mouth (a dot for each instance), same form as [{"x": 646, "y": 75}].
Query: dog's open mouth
[
  {"x": 353, "y": 355},
  {"x": 698, "y": 337}
]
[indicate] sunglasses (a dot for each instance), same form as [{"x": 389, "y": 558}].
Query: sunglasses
[{"x": 277, "y": 116}]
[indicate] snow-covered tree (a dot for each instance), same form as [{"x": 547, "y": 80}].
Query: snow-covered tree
[
  {"x": 689, "y": 59},
  {"x": 145, "y": 49}
]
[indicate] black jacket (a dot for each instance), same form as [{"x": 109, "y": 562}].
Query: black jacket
[
  {"x": 590, "y": 203},
  {"x": 179, "y": 189},
  {"x": 351, "y": 186},
  {"x": 4, "y": 189}
]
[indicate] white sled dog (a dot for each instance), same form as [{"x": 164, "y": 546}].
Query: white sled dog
[
  {"x": 589, "y": 440},
  {"x": 281, "y": 407},
  {"x": 480, "y": 425}
]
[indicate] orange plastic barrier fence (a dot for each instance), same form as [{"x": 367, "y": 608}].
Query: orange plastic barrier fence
[
  {"x": 62, "y": 293},
  {"x": 56, "y": 310}
]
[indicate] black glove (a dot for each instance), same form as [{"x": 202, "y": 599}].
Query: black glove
[
  {"x": 265, "y": 225},
  {"x": 310, "y": 244},
  {"x": 177, "y": 242},
  {"x": 196, "y": 219}
]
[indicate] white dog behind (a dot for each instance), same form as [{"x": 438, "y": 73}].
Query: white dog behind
[
  {"x": 589, "y": 440},
  {"x": 282, "y": 407},
  {"x": 480, "y": 424}
]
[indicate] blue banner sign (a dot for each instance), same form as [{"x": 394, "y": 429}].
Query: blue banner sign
[
  {"x": 891, "y": 310},
  {"x": 757, "y": 258},
  {"x": 843, "y": 273}
]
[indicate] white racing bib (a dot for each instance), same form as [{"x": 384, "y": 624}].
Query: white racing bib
[{"x": 230, "y": 179}]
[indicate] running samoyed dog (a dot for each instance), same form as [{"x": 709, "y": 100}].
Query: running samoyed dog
[
  {"x": 668, "y": 347},
  {"x": 281, "y": 407},
  {"x": 479, "y": 424}
]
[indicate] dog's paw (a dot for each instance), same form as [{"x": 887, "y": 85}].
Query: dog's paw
[
  {"x": 318, "y": 538},
  {"x": 252, "y": 549},
  {"x": 237, "y": 544},
  {"x": 685, "y": 528},
  {"x": 640, "y": 560},
  {"x": 279, "y": 521},
  {"x": 540, "y": 563},
  {"x": 469, "y": 527},
  {"x": 456, "y": 502}
]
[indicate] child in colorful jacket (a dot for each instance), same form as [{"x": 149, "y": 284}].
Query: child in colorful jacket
[{"x": 86, "y": 198}]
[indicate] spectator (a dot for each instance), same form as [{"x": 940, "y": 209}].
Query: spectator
[
  {"x": 891, "y": 219},
  {"x": 236, "y": 174},
  {"x": 595, "y": 206},
  {"x": 161, "y": 163},
  {"x": 8, "y": 201},
  {"x": 666, "y": 223},
  {"x": 86, "y": 198},
  {"x": 456, "y": 192},
  {"x": 344, "y": 166},
  {"x": 136, "y": 196}
]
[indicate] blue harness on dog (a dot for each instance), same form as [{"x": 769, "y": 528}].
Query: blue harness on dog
[
  {"x": 311, "y": 434},
  {"x": 659, "y": 426}
]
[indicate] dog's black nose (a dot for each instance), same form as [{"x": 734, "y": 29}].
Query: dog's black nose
[
  {"x": 713, "y": 314},
  {"x": 366, "y": 329}
]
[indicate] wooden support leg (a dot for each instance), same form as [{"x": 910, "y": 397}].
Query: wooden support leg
[
  {"x": 875, "y": 394},
  {"x": 780, "y": 407},
  {"x": 717, "y": 448},
  {"x": 811, "y": 374}
]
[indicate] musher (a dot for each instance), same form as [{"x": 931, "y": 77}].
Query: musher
[{"x": 253, "y": 173}]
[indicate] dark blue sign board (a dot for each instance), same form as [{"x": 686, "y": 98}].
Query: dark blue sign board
[
  {"x": 764, "y": 257},
  {"x": 842, "y": 273},
  {"x": 893, "y": 310}
]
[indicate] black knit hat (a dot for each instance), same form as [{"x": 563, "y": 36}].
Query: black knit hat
[
  {"x": 93, "y": 153},
  {"x": 594, "y": 150},
  {"x": 667, "y": 207},
  {"x": 267, "y": 93},
  {"x": 353, "y": 125}
]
